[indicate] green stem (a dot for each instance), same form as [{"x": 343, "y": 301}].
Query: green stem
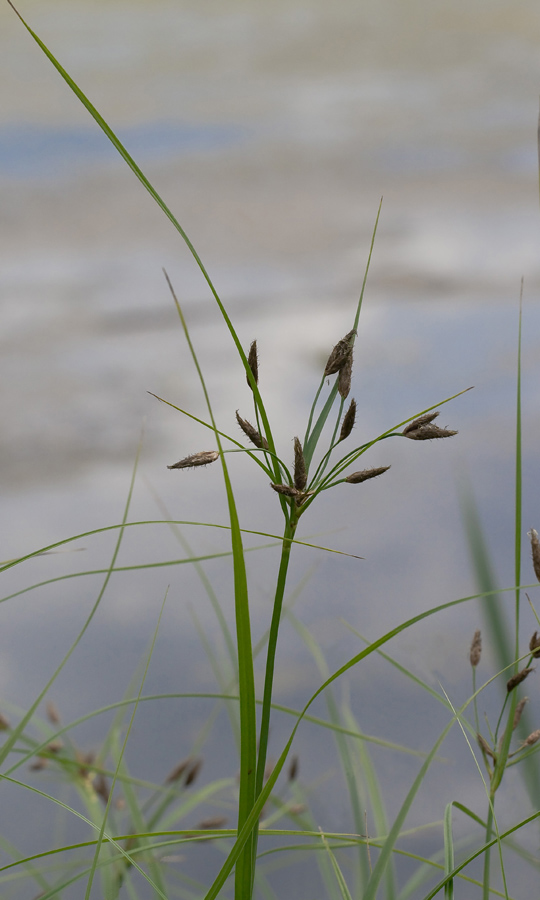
[
  {"x": 288, "y": 536},
  {"x": 487, "y": 854}
]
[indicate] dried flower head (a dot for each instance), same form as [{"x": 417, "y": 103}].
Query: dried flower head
[
  {"x": 253, "y": 363},
  {"x": 198, "y": 459},
  {"x": 476, "y": 649},
  {"x": 532, "y": 739},
  {"x": 300, "y": 473},
  {"x": 518, "y": 713},
  {"x": 178, "y": 771},
  {"x": 534, "y": 645},
  {"x": 287, "y": 490},
  {"x": 4, "y": 723},
  {"x": 517, "y": 679},
  {"x": 365, "y": 474},
  {"x": 422, "y": 429},
  {"x": 483, "y": 744},
  {"x": 212, "y": 822},
  {"x": 340, "y": 354},
  {"x": 293, "y": 769},
  {"x": 345, "y": 376},
  {"x": 251, "y": 432},
  {"x": 101, "y": 787},
  {"x": 535, "y": 548},
  {"x": 193, "y": 771},
  {"x": 52, "y": 713},
  {"x": 348, "y": 421}
]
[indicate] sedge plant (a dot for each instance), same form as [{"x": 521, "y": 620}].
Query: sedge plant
[{"x": 325, "y": 455}]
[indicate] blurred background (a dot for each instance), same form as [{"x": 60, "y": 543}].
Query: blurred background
[{"x": 272, "y": 131}]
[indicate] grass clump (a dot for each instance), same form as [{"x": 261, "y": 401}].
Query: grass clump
[{"x": 136, "y": 826}]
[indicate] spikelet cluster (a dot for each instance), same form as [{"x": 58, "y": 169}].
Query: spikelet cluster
[{"x": 423, "y": 429}]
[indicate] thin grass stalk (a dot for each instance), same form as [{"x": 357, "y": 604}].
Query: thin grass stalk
[
  {"x": 519, "y": 482},
  {"x": 270, "y": 661},
  {"x": 246, "y": 681}
]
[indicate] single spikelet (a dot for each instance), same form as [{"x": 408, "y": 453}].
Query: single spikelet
[
  {"x": 340, "y": 354},
  {"x": 253, "y": 363},
  {"x": 178, "y": 771},
  {"x": 293, "y": 769},
  {"x": 300, "y": 473},
  {"x": 211, "y": 823},
  {"x": 348, "y": 421},
  {"x": 532, "y": 739},
  {"x": 422, "y": 429},
  {"x": 287, "y": 490},
  {"x": 518, "y": 713},
  {"x": 365, "y": 474},
  {"x": 53, "y": 714},
  {"x": 4, "y": 723},
  {"x": 188, "y": 767},
  {"x": 535, "y": 548},
  {"x": 251, "y": 433},
  {"x": 345, "y": 376},
  {"x": 197, "y": 459},
  {"x": 517, "y": 679},
  {"x": 483, "y": 744},
  {"x": 193, "y": 771},
  {"x": 534, "y": 645},
  {"x": 476, "y": 649},
  {"x": 101, "y": 787}
]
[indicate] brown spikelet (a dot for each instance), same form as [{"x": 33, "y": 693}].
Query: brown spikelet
[
  {"x": 197, "y": 459},
  {"x": 193, "y": 771},
  {"x": 348, "y": 421},
  {"x": 55, "y": 746},
  {"x": 365, "y": 474},
  {"x": 178, "y": 771},
  {"x": 532, "y": 739},
  {"x": 85, "y": 760},
  {"x": 251, "y": 432},
  {"x": 52, "y": 713},
  {"x": 534, "y": 645},
  {"x": 212, "y": 822},
  {"x": 293, "y": 769},
  {"x": 253, "y": 363},
  {"x": 426, "y": 419},
  {"x": 483, "y": 744},
  {"x": 476, "y": 649},
  {"x": 287, "y": 490},
  {"x": 345, "y": 376},
  {"x": 517, "y": 679},
  {"x": 101, "y": 788},
  {"x": 300, "y": 474},
  {"x": 38, "y": 765},
  {"x": 535, "y": 548},
  {"x": 518, "y": 713},
  {"x": 340, "y": 354},
  {"x": 422, "y": 429}
]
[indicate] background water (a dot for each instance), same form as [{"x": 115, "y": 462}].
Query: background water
[{"x": 272, "y": 131}]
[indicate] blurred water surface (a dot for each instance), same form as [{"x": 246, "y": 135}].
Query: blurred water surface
[{"x": 272, "y": 131}]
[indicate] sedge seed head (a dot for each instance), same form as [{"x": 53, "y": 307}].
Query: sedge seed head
[
  {"x": 532, "y": 739},
  {"x": 204, "y": 458},
  {"x": 518, "y": 713},
  {"x": 534, "y": 645},
  {"x": 517, "y": 679},
  {"x": 348, "y": 421},
  {"x": 287, "y": 490},
  {"x": 365, "y": 474},
  {"x": 300, "y": 473},
  {"x": 345, "y": 376},
  {"x": 535, "y": 549},
  {"x": 340, "y": 354},
  {"x": 476, "y": 649},
  {"x": 253, "y": 363},
  {"x": 251, "y": 432},
  {"x": 423, "y": 429}
]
